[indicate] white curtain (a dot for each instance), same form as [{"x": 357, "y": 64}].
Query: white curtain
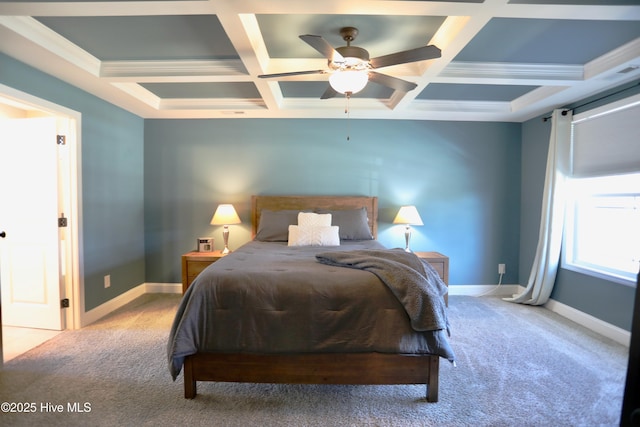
[{"x": 545, "y": 264}]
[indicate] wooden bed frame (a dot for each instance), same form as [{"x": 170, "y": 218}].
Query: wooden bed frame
[{"x": 313, "y": 368}]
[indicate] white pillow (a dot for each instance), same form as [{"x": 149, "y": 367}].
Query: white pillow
[
  {"x": 314, "y": 236},
  {"x": 310, "y": 219}
]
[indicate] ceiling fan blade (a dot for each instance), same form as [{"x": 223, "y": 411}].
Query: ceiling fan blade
[
  {"x": 292, "y": 73},
  {"x": 329, "y": 93},
  {"x": 392, "y": 82},
  {"x": 322, "y": 46},
  {"x": 404, "y": 57}
]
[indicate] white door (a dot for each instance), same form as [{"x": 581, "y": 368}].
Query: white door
[{"x": 30, "y": 276}]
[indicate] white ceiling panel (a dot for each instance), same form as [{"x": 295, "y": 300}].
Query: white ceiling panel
[{"x": 501, "y": 60}]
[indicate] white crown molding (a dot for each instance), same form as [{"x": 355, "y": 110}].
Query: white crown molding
[
  {"x": 533, "y": 97},
  {"x": 120, "y": 82},
  {"x": 211, "y": 104},
  {"x": 105, "y": 8},
  {"x": 462, "y": 106},
  {"x": 625, "y": 55},
  {"x": 339, "y": 104},
  {"x": 140, "y": 94},
  {"x": 141, "y": 69},
  {"x": 503, "y": 72},
  {"x": 34, "y": 31}
]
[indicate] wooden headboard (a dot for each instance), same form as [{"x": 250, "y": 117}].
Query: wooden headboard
[{"x": 278, "y": 203}]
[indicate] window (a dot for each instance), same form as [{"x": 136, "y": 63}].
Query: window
[{"x": 602, "y": 228}]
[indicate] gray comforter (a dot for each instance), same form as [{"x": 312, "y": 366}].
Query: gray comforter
[
  {"x": 267, "y": 297},
  {"x": 412, "y": 280}
]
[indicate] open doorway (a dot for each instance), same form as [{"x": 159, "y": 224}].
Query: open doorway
[{"x": 22, "y": 108}]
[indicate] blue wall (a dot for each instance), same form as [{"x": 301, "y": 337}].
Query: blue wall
[
  {"x": 478, "y": 187},
  {"x": 112, "y": 181},
  {"x": 463, "y": 177},
  {"x": 609, "y": 301}
]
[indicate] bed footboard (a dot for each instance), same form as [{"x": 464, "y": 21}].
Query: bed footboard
[{"x": 324, "y": 368}]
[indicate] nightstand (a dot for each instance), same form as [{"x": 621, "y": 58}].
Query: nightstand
[
  {"x": 440, "y": 263},
  {"x": 194, "y": 262}
]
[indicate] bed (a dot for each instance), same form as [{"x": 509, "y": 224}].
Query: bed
[{"x": 276, "y": 312}]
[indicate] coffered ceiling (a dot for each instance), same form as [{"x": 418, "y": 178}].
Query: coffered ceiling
[{"x": 501, "y": 60}]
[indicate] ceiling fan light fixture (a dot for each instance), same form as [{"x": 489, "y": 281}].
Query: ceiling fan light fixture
[{"x": 353, "y": 81}]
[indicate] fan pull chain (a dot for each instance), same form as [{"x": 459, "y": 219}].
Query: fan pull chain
[{"x": 346, "y": 111}]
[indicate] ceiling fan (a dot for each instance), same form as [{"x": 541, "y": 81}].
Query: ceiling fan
[{"x": 350, "y": 67}]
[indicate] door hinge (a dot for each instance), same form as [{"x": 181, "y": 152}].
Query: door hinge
[
  {"x": 64, "y": 303},
  {"x": 62, "y": 221},
  {"x": 61, "y": 139}
]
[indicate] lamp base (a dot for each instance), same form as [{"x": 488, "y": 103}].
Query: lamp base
[
  {"x": 407, "y": 238},
  {"x": 225, "y": 237}
]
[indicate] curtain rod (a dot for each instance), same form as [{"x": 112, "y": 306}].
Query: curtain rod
[
  {"x": 564, "y": 112},
  {"x": 547, "y": 118}
]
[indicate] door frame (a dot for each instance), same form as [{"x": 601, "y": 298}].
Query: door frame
[{"x": 74, "y": 283}]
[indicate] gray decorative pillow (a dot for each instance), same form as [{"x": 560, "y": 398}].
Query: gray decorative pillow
[
  {"x": 274, "y": 225},
  {"x": 353, "y": 223}
]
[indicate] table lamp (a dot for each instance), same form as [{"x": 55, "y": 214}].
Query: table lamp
[
  {"x": 225, "y": 214},
  {"x": 409, "y": 216}
]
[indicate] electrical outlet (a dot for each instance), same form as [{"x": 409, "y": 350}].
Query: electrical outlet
[
  {"x": 502, "y": 268},
  {"x": 107, "y": 281}
]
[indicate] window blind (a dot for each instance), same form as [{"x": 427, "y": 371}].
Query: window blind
[{"x": 606, "y": 140}]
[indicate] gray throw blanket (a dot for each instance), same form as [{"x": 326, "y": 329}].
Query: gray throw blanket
[{"x": 414, "y": 282}]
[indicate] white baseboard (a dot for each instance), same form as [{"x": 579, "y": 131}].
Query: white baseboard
[
  {"x": 601, "y": 327},
  {"x": 608, "y": 330},
  {"x": 125, "y": 298},
  {"x": 111, "y": 305},
  {"x": 163, "y": 288},
  {"x": 479, "y": 290}
]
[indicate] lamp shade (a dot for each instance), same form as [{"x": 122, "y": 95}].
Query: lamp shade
[
  {"x": 224, "y": 215},
  {"x": 408, "y": 215},
  {"x": 352, "y": 81}
]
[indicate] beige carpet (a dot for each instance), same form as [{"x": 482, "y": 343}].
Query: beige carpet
[{"x": 517, "y": 366}]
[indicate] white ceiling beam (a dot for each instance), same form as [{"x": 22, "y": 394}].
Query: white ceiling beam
[
  {"x": 48, "y": 39},
  {"x": 499, "y": 8},
  {"x": 118, "y": 81},
  {"x": 510, "y": 73},
  {"x": 452, "y": 36},
  {"x": 105, "y": 8},
  {"x": 231, "y": 104},
  {"x": 625, "y": 56},
  {"x": 142, "y": 70}
]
